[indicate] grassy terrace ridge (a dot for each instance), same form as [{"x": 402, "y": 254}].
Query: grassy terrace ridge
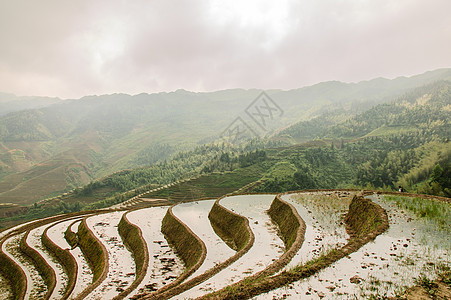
[
  {"x": 220, "y": 214},
  {"x": 45, "y": 270},
  {"x": 212, "y": 185},
  {"x": 132, "y": 237},
  {"x": 14, "y": 274},
  {"x": 95, "y": 254},
  {"x": 232, "y": 228},
  {"x": 70, "y": 236},
  {"x": 282, "y": 214},
  {"x": 292, "y": 229},
  {"x": 362, "y": 231},
  {"x": 10, "y": 269},
  {"x": 65, "y": 258},
  {"x": 188, "y": 246}
]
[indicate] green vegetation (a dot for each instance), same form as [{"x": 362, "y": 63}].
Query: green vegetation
[
  {"x": 282, "y": 215},
  {"x": 232, "y": 228},
  {"x": 132, "y": 237},
  {"x": 434, "y": 211},
  {"x": 364, "y": 216},
  {"x": 14, "y": 274},
  {"x": 94, "y": 252},
  {"x": 65, "y": 258},
  {"x": 71, "y": 237},
  {"x": 401, "y": 143},
  {"x": 74, "y": 142},
  {"x": 187, "y": 245},
  {"x": 47, "y": 273}
]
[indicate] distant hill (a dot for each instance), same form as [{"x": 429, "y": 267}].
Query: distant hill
[
  {"x": 11, "y": 103},
  {"x": 57, "y": 145},
  {"x": 425, "y": 108}
]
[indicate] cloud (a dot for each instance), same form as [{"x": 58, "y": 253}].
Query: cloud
[{"x": 71, "y": 49}]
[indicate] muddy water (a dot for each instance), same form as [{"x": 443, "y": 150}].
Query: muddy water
[
  {"x": 195, "y": 216},
  {"x": 121, "y": 272},
  {"x": 384, "y": 267},
  {"x": 34, "y": 241},
  {"x": 36, "y": 287},
  {"x": 164, "y": 265},
  {"x": 323, "y": 216},
  {"x": 267, "y": 246}
]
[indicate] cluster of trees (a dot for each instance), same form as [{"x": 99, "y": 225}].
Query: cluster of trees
[
  {"x": 203, "y": 159},
  {"x": 376, "y": 162},
  {"x": 424, "y": 109}
]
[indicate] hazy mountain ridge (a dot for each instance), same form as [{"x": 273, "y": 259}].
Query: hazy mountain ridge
[
  {"x": 419, "y": 108},
  {"x": 97, "y": 135}
]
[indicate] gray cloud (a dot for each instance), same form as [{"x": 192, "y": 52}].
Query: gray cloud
[{"x": 75, "y": 48}]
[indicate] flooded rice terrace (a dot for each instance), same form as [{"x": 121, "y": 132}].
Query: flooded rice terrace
[
  {"x": 84, "y": 274},
  {"x": 195, "y": 216},
  {"x": 267, "y": 246},
  {"x": 323, "y": 214},
  {"x": 36, "y": 287},
  {"x": 121, "y": 271},
  {"x": 34, "y": 241},
  {"x": 409, "y": 249},
  {"x": 164, "y": 265}
]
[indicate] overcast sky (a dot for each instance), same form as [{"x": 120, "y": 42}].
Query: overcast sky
[{"x": 75, "y": 48}]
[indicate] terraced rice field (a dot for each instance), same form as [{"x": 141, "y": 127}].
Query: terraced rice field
[{"x": 312, "y": 244}]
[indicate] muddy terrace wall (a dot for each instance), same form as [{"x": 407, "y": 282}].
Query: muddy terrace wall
[
  {"x": 132, "y": 237},
  {"x": 282, "y": 215},
  {"x": 189, "y": 247},
  {"x": 364, "y": 217},
  {"x": 14, "y": 274},
  {"x": 44, "y": 269},
  {"x": 95, "y": 254},
  {"x": 65, "y": 258},
  {"x": 230, "y": 227},
  {"x": 292, "y": 229},
  {"x": 70, "y": 236},
  {"x": 362, "y": 231}
]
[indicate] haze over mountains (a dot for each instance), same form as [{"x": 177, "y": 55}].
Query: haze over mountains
[{"x": 50, "y": 145}]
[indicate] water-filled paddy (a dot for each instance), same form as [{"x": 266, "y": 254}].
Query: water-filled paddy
[
  {"x": 195, "y": 216},
  {"x": 34, "y": 241},
  {"x": 84, "y": 274},
  {"x": 164, "y": 265},
  {"x": 36, "y": 287},
  {"x": 121, "y": 271},
  {"x": 323, "y": 214},
  {"x": 267, "y": 246},
  {"x": 408, "y": 250}
]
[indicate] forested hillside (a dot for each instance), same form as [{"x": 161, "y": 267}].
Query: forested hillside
[{"x": 380, "y": 132}]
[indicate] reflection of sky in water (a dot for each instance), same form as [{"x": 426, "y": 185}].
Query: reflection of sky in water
[
  {"x": 84, "y": 274},
  {"x": 36, "y": 287},
  {"x": 34, "y": 241},
  {"x": 388, "y": 264},
  {"x": 324, "y": 227},
  {"x": 195, "y": 216},
  {"x": 164, "y": 265},
  {"x": 266, "y": 248},
  {"x": 121, "y": 272}
]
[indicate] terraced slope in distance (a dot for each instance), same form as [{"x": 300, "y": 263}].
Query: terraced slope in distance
[{"x": 339, "y": 264}]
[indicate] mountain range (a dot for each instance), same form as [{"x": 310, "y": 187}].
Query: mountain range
[{"x": 50, "y": 145}]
